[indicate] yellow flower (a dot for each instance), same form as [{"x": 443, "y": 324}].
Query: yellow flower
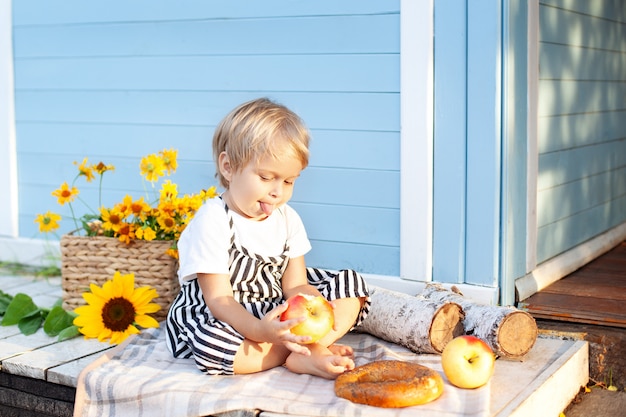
[
  {"x": 140, "y": 209},
  {"x": 169, "y": 160},
  {"x": 111, "y": 219},
  {"x": 83, "y": 169},
  {"x": 48, "y": 221},
  {"x": 165, "y": 207},
  {"x": 191, "y": 203},
  {"x": 126, "y": 233},
  {"x": 169, "y": 191},
  {"x": 113, "y": 311},
  {"x": 163, "y": 218},
  {"x": 145, "y": 233},
  {"x": 210, "y": 193},
  {"x": 101, "y": 168},
  {"x": 173, "y": 252},
  {"x": 152, "y": 167},
  {"x": 65, "y": 194},
  {"x": 167, "y": 222}
]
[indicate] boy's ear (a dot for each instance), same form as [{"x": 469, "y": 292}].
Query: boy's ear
[{"x": 225, "y": 167}]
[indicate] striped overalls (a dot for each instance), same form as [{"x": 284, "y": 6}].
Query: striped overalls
[{"x": 192, "y": 331}]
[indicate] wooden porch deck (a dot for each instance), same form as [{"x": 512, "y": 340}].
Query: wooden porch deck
[
  {"x": 591, "y": 304},
  {"x": 594, "y": 294},
  {"x": 38, "y": 375}
]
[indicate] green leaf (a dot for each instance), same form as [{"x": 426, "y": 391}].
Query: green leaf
[
  {"x": 57, "y": 320},
  {"x": 68, "y": 333},
  {"x": 5, "y": 300},
  {"x": 20, "y": 307},
  {"x": 29, "y": 325}
]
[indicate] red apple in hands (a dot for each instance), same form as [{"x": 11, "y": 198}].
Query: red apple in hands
[
  {"x": 317, "y": 311},
  {"x": 468, "y": 361}
]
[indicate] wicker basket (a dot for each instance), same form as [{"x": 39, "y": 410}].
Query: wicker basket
[{"x": 86, "y": 260}]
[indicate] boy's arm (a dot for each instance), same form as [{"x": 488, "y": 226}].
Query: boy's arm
[
  {"x": 218, "y": 294},
  {"x": 294, "y": 279}
]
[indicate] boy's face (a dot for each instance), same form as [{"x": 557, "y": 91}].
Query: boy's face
[{"x": 257, "y": 189}]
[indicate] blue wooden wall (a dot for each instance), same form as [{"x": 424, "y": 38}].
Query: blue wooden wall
[
  {"x": 116, "y": 80},
  {"x": 582, "y": 122},
  {"x": 466, "y": 214}
]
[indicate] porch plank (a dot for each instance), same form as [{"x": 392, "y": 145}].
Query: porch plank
[
  {"x": 594, "y": 294},
  {"x": 583, "y": 288},
  {"x": 38, "y": 374},
  {"x": 35, "y": 364}
]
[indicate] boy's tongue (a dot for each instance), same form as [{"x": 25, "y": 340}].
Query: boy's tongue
[{"x": 267, "y": 208}]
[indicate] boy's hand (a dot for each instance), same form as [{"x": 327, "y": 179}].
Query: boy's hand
[{"x": 280, "y": 331}]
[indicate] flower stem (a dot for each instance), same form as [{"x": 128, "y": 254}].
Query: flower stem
[
  {"x": 73, "y": 216},
  {"x": 100, "y": 191}
]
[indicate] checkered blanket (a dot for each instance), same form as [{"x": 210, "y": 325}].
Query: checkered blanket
[{"x": 141, "y": 378}]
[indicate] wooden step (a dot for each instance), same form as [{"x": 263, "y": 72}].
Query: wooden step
[{"x": 594, "y": 294}]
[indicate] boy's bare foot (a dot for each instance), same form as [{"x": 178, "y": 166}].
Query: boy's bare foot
[
  {"x": 322, "y": 362},
  {"x": 341, "y": 350}
]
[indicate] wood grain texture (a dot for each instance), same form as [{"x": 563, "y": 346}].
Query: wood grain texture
[
  {"x": 510, "y": 332},
  {"x": 595, "y": 293},
  {"x": 417, "y": 323}
]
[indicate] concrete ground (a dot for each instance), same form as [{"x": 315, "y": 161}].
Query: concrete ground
[
  {"x": 598, "y": 403},
  {"x": 607, "y": 364}
]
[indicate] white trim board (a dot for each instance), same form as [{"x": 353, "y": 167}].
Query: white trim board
[
  {"x": 532, "y": 159},
  {"x": 416, "y": 138},
  {"x": 8, "y": 155},
  {"x": 40, "y": 252},
  {"x": 479, "y": 294},
  {"x": 568, "y": 262},
  {"x": 36, "y": 252}
]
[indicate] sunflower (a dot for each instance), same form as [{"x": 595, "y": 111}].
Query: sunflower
[{"x": 113, "y": 311}]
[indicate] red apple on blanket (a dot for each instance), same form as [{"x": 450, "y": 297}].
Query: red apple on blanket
[
  {"x": 318, "y": 312},
  {"x": 468, "y": 361}
]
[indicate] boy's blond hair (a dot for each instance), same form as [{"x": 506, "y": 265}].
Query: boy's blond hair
[{"x": 257, "y": 129}]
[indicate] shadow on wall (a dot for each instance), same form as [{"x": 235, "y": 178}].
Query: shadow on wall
[{"x": 582, "y": 117}]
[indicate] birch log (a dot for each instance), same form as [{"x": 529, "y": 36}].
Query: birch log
[
  {"x": 510, "y": 332},
  {"x": 419, "y": 324}
]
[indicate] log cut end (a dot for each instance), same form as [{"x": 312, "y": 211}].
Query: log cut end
[
  {"x": 446, "y": 324},
  {"x": 517, "y": 334}
]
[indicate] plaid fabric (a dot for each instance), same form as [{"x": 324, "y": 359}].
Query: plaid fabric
[{"x": 141, "y": 378}]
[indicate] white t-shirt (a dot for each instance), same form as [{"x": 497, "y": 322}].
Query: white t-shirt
[{"x": 203, "y": 246}]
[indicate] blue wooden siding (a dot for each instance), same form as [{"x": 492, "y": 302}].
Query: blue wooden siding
[
  {"x": 117, "y": 80},
  {"x": 466, "y": 224},
  {"x": 582, "y": 122}
]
